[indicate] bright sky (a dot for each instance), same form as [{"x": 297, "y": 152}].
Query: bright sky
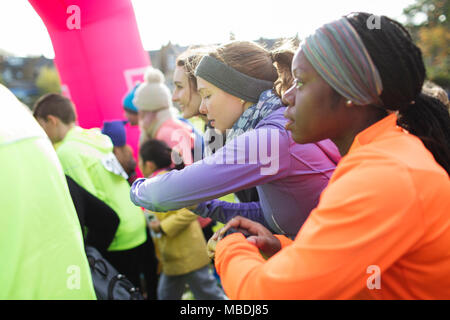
[{"x": 188, "y": 22}]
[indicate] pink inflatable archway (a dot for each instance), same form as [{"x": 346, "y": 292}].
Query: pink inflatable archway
[{"x": 98, "y": 54}]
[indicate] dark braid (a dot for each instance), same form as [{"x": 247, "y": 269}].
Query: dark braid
[{"x": 402, "y": 73}]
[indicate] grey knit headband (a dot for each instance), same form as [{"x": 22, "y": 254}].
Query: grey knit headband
[{"x": 230, "y": 80}]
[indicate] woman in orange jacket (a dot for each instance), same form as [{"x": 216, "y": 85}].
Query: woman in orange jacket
[{"x": 382, "y": 227}]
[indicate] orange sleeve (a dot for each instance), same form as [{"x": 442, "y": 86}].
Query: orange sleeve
[
  {"x": 285, "y": 241},
  {"x": 367, "y": 216}
]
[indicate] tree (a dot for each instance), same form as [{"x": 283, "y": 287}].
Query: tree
[
  {"x": 48, "y": 81},
  {"x": 433, "y": 12},
  {"x": 429, "y": 24},
  {"x": 434, "y": 43}
]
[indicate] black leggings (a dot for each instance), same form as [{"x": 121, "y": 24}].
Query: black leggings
[{"x": 133, "y": 262}]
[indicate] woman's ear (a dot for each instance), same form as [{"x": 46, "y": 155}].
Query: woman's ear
[{"x": 52, "y": 120}]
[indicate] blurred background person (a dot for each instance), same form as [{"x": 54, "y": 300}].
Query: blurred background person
[
  {"x": 87, "y": 157},
  {"x": 42, "y": 249},
  {"x": 241, "y": 88},
  {"x": 158, "y": 116},
  {"x": 182, "y": 247},
  {"x": 123, "y": 152}
]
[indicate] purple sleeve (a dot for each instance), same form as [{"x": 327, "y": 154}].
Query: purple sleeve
[
  {"x": 253, "y": 158},
  {"x": 223, "y": 211}
]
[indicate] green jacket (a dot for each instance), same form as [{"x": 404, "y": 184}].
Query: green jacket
[
  {"x": 87, "y": 157},
  {"x": 41, "y": 246}
]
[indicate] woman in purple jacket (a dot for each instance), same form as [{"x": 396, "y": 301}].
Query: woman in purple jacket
[{"x": 241, "y": 84}]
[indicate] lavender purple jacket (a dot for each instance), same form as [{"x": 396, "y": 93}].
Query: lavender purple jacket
[{"x": 289, "y": 178}]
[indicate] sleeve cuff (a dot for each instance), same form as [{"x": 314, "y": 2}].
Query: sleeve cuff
[
  {"x": 201, "y": 210},
  {"x": 228, "y": 240},
  {"x": 224, "y": 249},
  {"x": 285, "y": 241}
]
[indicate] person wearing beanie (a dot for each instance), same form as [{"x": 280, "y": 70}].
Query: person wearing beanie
[
  {"x": 157, "y": 115},
  {"x": 116, "y": 131},
  {"x": 131, "y": 127},
  {"x": 131, "y": 111}
]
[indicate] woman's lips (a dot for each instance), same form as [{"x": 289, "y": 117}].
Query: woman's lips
[
  {"x": 289, "y": 119},
  {"x": 288, "y": 124}
]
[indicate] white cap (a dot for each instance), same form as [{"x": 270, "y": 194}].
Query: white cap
[{"x": 153, "y": 94}]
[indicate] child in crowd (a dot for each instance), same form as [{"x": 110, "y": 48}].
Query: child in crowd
[{"x": 178, "y": 237}]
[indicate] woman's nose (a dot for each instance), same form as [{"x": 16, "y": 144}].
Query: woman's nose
[
  {"x": 288, "y": 97},
  {"x": 175, "y": 95},
  {"x": 202, "y": 109}
]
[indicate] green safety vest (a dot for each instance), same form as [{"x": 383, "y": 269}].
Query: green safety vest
[
  {"x": 87, "y": 157},
  {"x": 41, "y": 245}
]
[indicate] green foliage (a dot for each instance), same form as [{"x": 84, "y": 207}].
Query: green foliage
[
  {"x": 429, "y": 23},
  {"x": 435, "y": 12},
  {"x": 48, "y": 81}
]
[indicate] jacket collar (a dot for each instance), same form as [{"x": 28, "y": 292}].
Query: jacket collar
[{"x": 369, "y": 134}]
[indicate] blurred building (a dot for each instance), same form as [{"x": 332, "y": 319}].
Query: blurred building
[
  {"x": 164, "y": 58},
  {"x": 19, "y": 74}
]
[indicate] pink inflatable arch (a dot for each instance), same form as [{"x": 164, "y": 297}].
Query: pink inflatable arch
[{"x": 98, "y": 54}]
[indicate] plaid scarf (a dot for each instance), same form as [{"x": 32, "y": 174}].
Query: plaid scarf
[{"x": 268, "y": 103}]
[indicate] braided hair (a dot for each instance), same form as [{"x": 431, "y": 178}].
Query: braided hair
[{"x": 402, "y": 71}]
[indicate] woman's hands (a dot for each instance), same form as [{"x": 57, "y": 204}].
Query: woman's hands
[
  {"x": 259, "y": 236},
  {"x": 211, "y": 246}
]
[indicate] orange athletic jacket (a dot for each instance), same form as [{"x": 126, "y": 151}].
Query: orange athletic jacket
[{"x": 380, "y": 231}]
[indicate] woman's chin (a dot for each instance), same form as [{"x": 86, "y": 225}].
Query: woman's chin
[
  {"x": 298, "y": 138},
  {"x": 187, "y": 114}
]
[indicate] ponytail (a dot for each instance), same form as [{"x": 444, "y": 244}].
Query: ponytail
[
  {"x": 429, "y": 119},
  {"x": 402, "y": 71}
]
